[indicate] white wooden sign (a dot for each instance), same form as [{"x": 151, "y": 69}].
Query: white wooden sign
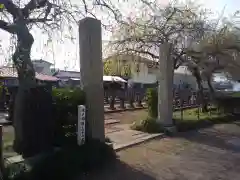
[{"x": 81, "y": 124}]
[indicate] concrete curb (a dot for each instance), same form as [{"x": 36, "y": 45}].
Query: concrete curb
[
  {"x": 6, "y": 123},
  {"x": 145, "y": 107},
  {"x": 111, "y": 122},
  {"x": 120, "y": 147},
  {"x": 185, "y": 107},
  {"x": 123, "y": 110}
]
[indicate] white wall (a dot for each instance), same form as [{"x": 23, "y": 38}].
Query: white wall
[
  {"x": 184, "y": 78},
  {"x": 145, "y": 79},
  {"x": 149, "y": 76},
  {"x": 143, "y": 76}
]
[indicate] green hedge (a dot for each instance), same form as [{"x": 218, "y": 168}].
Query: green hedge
[
  {"x": 152, "y": 102},
  {"x": 65, "y": 112},
  {"x": 66, "y": 101}
]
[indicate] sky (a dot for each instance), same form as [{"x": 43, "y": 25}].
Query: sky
[{"x": 65, "y": 55}]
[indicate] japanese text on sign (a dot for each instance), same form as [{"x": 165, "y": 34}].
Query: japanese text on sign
[{"x": 81, "y": 124}]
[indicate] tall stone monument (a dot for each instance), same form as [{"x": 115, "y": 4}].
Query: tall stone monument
[
  {"x": 165, "y": 86},
  {"x": 91, "y": 69}
]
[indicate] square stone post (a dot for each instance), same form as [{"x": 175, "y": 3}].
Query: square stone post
[
  {"x": 91, "y": 70},
  {"x": 165, "y": 86}
]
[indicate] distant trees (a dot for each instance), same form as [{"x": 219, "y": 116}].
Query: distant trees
[
  {"x": 204, "y": 45},
  {"x": 114, "y": 67}
]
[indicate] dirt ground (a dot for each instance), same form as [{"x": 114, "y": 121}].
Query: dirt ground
[
  {"x": 127, "y": 117},
  {"x": 209, "y": 154}
]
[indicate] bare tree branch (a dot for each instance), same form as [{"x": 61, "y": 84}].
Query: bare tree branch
[
  {"x": 32, "y": 5},
  {"x": 38, "y": 20},
  {"x": 12, "y": 8},
  {"x": 6, "y": 27}
]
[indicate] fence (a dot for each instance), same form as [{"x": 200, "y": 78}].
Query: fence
[
  {"x": 136, "y": 98},
  {"x": 129, "y": 98}
]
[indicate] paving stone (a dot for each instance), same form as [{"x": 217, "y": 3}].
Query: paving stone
[
  {"x": 122, "y": 136},
  {"x": 235, "y": 142},
  {"x": 111, "y": 121}
]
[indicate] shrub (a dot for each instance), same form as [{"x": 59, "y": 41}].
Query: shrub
[
  {"x": 65, "y": 105},
  {"x": 65, "y": 163},
  {"x": 66, "y": 102},
  {"x": 227, "y": 102},
  {"x": 152, "y": 102},
  {"x": 148, "y": 125}
]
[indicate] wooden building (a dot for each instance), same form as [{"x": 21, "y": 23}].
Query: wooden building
[{"x": 9, "y": 80}]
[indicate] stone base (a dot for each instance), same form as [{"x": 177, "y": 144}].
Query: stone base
[
  {"x": 139, "y": 105},
  {"x": 170, "y": 129},
  {"x": 110, "y": 144},
  {"x": 130, "y": 106}
]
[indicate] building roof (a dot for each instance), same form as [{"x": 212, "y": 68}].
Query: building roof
[
  {"x": 106, "y": 79},
  {"x": 11, "y": 72},
  {"x": 41, "y": 60},
  {"x": 67, "y": 74},
  {"x": 113, "y": 78}
]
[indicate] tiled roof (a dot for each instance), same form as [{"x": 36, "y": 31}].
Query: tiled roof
[
  {"x": 12, "y": 73},
  {"x": 44, "y": 77},
  {"x": 67, "y": 74},
  {"x": 41, "y": 61}
]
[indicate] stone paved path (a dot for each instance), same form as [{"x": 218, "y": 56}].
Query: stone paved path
[
  {"x": 117, "y": 128},
  {"x": 122, "y": 136},
  {"x": 209, "y": 154}
]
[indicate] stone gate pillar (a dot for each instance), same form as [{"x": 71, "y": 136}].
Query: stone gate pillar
[
  {"x": 165, "y": 86},
  {"x": 91, "y": 70}
]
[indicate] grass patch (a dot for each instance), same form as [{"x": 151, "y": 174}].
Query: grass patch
[
  {"x": 192, "y": 114},
  {"x": 233, "y": 94},
  {"x": 189, "y": 119}
]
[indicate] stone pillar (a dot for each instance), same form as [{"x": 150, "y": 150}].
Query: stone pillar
[
  {"x": 165, "y": 86},
  {"x": 91, "y": 69}
]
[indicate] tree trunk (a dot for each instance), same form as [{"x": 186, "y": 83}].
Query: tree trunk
[
  {"x": 27, "y": 108},
  {"x": 201, "y": 97},
  {"x": 212, "y": 91},
  {"x": 26, "y": 80}
]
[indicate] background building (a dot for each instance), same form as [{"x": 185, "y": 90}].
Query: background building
[{"x": 145, "y": 71}]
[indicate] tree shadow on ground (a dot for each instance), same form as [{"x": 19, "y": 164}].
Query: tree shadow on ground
[
  {"x": 220, "y": 138},
  {"x": 117, "y": 170}
]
